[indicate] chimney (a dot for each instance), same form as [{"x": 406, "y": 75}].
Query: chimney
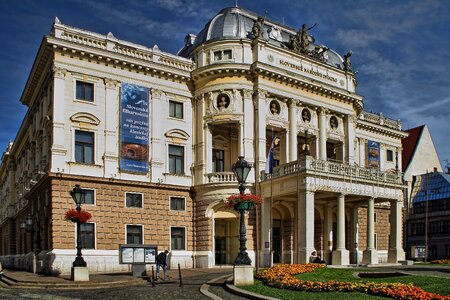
[
  {"x": 448, "y": 169},
  {"x": 435, "y": 169}
]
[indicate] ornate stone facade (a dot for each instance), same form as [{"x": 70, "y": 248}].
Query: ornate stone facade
[{"x": 221, "y": 97}]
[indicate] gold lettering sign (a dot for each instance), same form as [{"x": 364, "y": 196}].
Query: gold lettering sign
[{"x": 309, "y": 71}]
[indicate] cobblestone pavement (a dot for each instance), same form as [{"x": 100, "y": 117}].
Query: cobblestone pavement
[{"x": 169, "y": 290}]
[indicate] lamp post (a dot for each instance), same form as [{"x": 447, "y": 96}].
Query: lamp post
[
  {"x": 28, "y": 225},
  {"x": 78, "y": 196},
  {"x": 241, "y": 169}
]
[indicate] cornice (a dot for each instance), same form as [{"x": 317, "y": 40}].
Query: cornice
[
  {"x": 222, "y": 69},
  {"x": 158, "y": 65},
  {"x": 381, "y": 129},
  {"x": 304, "y": 83}
]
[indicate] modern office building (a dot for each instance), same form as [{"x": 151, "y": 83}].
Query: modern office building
[{"x": 151, "y": 137}]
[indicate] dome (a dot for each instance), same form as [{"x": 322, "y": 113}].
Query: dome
[{"x": 237, "y": 23}]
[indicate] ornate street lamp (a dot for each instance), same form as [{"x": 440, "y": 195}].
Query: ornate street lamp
[
  {"x": 78, "y": 196},
  {"x": 241, "y": 169}
]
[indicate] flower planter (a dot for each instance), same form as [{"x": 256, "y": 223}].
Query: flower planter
[{"x": 244, "y": 206}]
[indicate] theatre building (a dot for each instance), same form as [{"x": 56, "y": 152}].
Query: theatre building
[{"x": 151, "y": 137}]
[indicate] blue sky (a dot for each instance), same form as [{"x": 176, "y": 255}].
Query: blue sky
[{"x": 400, "y": 48}]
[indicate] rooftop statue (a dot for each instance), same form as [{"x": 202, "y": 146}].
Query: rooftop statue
[
  {"x": 301, "y": 41},
  {"x": 347, "y": 63},
  {"x": 305, "y": 37},
  {"x": 257, "y": 29}
]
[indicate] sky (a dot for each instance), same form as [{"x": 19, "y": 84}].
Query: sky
[{"x": 400, "y": 48}]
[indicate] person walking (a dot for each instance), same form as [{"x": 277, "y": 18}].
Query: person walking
[{"x": 161, "y": 262}]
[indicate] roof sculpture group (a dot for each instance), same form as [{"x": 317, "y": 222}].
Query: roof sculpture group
[{"x": 302, "y": 42}]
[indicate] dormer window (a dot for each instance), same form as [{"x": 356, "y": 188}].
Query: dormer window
[{"x": 222, "y": 55}]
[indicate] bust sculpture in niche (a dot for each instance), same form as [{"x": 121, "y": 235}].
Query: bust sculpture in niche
[
  {"x": 223, "y": 101},
  {"x": 306, "y": 115},
  {"x": 333, "y": 122},
  {"x": 274, "y": 107}
]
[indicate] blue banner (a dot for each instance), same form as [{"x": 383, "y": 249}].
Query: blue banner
[
  {"x": 134, "y": 128},
  {"x": 373, "y": 154}
]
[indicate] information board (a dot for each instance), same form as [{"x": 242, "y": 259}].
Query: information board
[{"x": 137, "y": 254}]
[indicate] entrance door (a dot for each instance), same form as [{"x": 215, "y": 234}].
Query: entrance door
[
  {"x": 226, "y": 243},
  {"x": 221, "y": 250},
  {"x": 276, "y": 241}
]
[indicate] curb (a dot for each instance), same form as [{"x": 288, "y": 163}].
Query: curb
[
  {"x": 204, "y": 287},
  {"x": 240, "y": 292}
]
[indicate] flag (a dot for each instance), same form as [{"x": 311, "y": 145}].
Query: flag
[{"x": 269, "y": 161}]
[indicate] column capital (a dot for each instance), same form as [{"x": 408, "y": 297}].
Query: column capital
[
  {"x": 59, "y": 72},
  {"x": 156, "y": 93},
  {"x": 292, "y": 103},
  {"x": 260, "y": 93},
  {"x": 111, "y": 83},
  {"x": 323, "y": 110},
  {"x": 247, "y": 93}
]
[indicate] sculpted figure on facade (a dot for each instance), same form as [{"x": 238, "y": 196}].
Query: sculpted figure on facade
[
  {"x": 347, "y": 63},
  {"x": 257, "y": 29}
]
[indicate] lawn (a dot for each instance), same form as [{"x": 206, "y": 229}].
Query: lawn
[{"x": 431, "y": 284}]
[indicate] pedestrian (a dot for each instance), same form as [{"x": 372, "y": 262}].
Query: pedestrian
[
  {"x": 315, "y": 259},
  {"x": 161, "y": 262}
]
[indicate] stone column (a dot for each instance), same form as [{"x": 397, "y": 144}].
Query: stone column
[
  {"x": 59, "y": 154},
  {"x": 305, "y": 216},
  {"x": 350, "y": 138},
  {"x": 260, "y": 138},
  {"x": 362, "y": 152},
  {"x": 340, "y": 255},
  {"x": 396, "y": 252},
  {"x": 248, "y": 133},
  {"x": 292, "y": 130},
  {"x": 354, "y": 235},
  {"x": 370, "y": 255},
  {"x": 208, "y": 148},
  {"x": 328, "y": 232},
  {"x": 112, "y": 112},
  {"x": 322, "y": 134}
]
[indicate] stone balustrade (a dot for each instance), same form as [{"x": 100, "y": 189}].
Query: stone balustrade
[
  {"x": 335, "y": 169},
  {"x": 220, "y": 177}
]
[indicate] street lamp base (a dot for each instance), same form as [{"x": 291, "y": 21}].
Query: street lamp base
[
  {"x": 243, "y": 259},
  {"x": 79, "y": 274},
  {"x": 79, "y": 262},
  {"x": 243, "y": 275}
]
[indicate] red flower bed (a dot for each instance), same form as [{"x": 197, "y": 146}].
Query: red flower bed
[
  {"x": 74, "y": 215},
  {"x": 282, "y": 277},
  {"x": 235, "y": 199}
]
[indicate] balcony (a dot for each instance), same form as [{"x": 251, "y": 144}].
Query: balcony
[
  {"x": 339, "y": 171},
  {"x": 220, "y": 177}
]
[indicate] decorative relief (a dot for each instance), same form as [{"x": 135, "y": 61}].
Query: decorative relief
[
  {"x": 275, "y": 107},
  {"x": 306, "y": 115},
  {"x": 223, "y": 101},
  {"x": 334, "y": 124}
]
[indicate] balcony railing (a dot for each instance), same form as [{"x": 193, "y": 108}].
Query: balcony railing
[
  {"x": 338, "y": 170},
  {"x": 221, "y": 177}
]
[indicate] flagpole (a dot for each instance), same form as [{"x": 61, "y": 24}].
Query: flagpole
[{"x": 271, "y": 202}]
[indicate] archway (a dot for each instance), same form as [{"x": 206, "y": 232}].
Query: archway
[{"x": 226, "y": 236}]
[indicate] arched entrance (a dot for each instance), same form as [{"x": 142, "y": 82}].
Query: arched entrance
[{"x": 226, "y": 236}]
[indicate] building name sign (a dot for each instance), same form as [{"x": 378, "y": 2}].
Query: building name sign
[{"x": 310, "y": 71}]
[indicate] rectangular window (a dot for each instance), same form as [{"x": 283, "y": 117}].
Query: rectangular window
[
  {"x": 85, "y": 91},
  {"x": 89, "y": 196},
  {"x": 375, "y": 217},
  {"x": 177, "y": 203},
  {"x": 375, "y": 242},
  {"x": 84, "y": 147},
  {"x": 176, "y": 159},
  {"x": 218, "y": 160},
  {"x": 134, "y": 234},
  {"x": 177, "y": 238},
  {"x": 87, "y": 233},
  {"x": 175, "y": 110},
  {"x": 223, "y": 55},
  {"x": 389, "y": 155},
  {"x": 133, "y": 200}
]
